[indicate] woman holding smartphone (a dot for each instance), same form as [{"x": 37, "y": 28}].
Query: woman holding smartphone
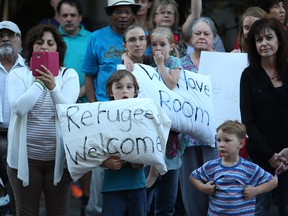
[{"x": 36, "y": 160}]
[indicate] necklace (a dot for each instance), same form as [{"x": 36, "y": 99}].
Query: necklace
[
  {"x": 271, "y": 73},
  {"x": 274, "y": 77}
]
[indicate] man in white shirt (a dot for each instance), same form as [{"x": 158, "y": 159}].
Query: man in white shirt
[{"x": 10, "y": 46}]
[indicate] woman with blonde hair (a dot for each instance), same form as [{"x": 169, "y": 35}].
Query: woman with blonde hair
[
  {"x": 142, "y": 16},
  {"x": 247, "y": 19}
]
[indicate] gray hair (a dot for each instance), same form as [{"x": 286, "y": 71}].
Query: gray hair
[{"x": 206, "y": 20}]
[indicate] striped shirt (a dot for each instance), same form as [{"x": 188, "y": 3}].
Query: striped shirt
[
  {"x": 230, "y": 182},
  {"x": 41, "y": 124}
]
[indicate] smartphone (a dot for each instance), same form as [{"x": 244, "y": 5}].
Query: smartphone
[{"x": 48, "y": 59}]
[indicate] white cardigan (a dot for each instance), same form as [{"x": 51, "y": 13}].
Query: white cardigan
[{"x": 23, "y": 95}]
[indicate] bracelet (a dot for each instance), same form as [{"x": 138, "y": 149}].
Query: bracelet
[{"x": 38, "y": 81}]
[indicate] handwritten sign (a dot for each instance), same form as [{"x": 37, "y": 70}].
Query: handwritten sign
[
  {"x": 134, "y": 129},
  {"x": 225, "y": 70},
  {"x": 189, "y": 105}
]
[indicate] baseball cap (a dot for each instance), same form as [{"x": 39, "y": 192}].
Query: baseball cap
[{"x": 10, "y": 26}]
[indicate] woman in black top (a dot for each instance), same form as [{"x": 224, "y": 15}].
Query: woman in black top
[{"x": 264, "y": 104}]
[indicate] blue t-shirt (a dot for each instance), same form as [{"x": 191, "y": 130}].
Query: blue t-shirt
[
  {"x": 103, "y": 53},
  {"x": 230, "y": 181},
  {"x": 126, "y": 178},
  {"x": 75, "y": 53}
]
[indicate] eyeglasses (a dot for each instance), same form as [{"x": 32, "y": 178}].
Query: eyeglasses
[
  {"x": 163, "y": 13},
  {"x": 10, "y": 35},
  {"x": 119, "y": 12},
  {"x": 134, "y": 39}
]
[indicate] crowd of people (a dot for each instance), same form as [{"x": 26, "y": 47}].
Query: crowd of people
[{"x": 213, "y": 180}]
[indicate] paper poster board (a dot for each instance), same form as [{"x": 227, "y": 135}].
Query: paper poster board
[
  {"x": 135, "y": 129},
  {"x": 225, "y": 70}
]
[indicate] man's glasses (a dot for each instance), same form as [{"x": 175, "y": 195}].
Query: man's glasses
[
  {"x": 119, "y": 12},
  {"x": 134, "y": 39},
  {"x": 10, "y": 35},
  {"x": 163, "y": 13}
]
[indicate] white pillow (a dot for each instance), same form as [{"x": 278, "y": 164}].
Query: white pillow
[
  {"x": 189, "y": 105},
  {"x": 92, "y": 132}
]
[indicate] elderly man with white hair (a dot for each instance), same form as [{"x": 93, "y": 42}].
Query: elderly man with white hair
[{"x": 10, "y": 59}]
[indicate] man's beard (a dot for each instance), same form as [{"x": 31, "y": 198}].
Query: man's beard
[{"x": 6, "y": 51}]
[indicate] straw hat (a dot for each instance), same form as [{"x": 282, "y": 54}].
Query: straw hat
[{"x": 114, "y": 3}]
